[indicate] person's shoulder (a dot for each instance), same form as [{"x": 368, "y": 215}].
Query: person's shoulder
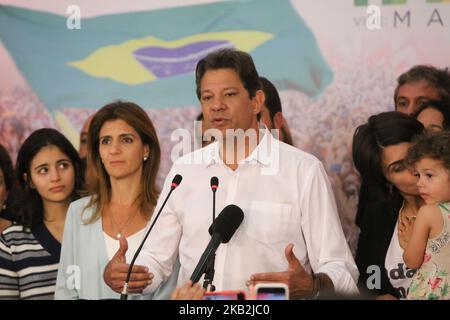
[
  {"x": 15, "y": 232},
  {"x": 298, "y": 155},
  {"x": 445, "y": 207},
  {"x": 428, "y": 213},
  {"x": 80, "y": 203},
  {"x": 429, "y": 209},
  {"x": 382, "y": 207},
  {"x": 81, "y": 208},
  {"x": 431, "y": 216}
]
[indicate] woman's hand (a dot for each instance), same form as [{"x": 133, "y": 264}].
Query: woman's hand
[{"x": 405, "y": 228}]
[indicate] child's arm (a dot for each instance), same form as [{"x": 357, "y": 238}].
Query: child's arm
[{"x": 414, "y": 252}]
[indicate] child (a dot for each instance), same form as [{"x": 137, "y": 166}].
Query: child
[{"x": 429, "y": 246}]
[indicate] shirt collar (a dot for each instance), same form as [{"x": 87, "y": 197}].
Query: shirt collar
[
  {"x": 212, "y": 154},
  {"x": 263, "y": 153}
]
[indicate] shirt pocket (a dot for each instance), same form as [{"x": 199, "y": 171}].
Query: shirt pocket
[{"x": 271, "y": 222}]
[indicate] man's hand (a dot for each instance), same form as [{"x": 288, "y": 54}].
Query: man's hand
[
  {"x": 115, "y": 272},
  {"x": 300, "y": 283}
]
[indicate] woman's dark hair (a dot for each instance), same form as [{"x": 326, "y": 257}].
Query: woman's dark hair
[
  {"x": 442, "y": 106},
  {"x": 273, "y": 101},
  {"x": 381, "y": 130},
  {"x": 7, "y": 168},
  {"x": 31, "y": 210}
]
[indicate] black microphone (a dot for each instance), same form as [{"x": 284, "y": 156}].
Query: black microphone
[
  {"x": 214, "y": 183},
  {"x": 209, "y": 271},
  {"x": 221, "y": 231},
  {"x": 175, "y": 183},
  {"x": 214, "y": 186}
]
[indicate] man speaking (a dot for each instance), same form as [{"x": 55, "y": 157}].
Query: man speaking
[{"x": 290, "y": 231}]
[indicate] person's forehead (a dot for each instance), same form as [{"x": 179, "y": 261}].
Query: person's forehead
[
  {"x": 430, "y": 112},
  {"x": 395, "y": 152},
  {"x": 417, "y": 88},
  {"x": 220, "y": 77},
  {"x": 428, "y": 163},
  {"x": 116, "y": 126},
  {"x": 50, "y": 152}
]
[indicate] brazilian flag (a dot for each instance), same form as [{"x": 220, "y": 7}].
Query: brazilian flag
[{"x": 149, "y": 57}]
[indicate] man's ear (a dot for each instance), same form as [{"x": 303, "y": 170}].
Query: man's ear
[{"x": 258, "y": 101}]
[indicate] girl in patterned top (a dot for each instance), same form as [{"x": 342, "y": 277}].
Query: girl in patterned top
[
  {"x": 48, "y": 171},
  {"x": 429, "y": 246}
]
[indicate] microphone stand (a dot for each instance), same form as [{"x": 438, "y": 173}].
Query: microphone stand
[
  {"x": 124, "y": 294},
  {"x": 209, "y": 271}
]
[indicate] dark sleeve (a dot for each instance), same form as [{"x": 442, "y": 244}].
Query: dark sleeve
[
  {"x": 364, "y": 253},
  {"x": 376, "y": 229},
  {"x": 362, "y": 203}
]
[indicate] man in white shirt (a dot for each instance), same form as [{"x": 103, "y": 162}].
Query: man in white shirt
[{"x": 289, "y": 209}]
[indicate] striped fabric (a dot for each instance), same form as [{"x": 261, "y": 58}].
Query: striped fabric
[{"x": 28, "y": 263}]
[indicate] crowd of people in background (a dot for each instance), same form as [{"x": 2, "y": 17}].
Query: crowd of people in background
[{"x": 393, "y": 171}]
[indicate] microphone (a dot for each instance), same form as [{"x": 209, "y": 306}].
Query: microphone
[
  {"x": 222, "y": 229},
  {"x": 214, "y": 186},
  {"x": 209, "y": 270},
  {"x": 175, "y": 183},
  {"x": 214, "y": 183}
]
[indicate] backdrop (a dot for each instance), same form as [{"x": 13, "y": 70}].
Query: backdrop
[{"x": 335, "y": 62}]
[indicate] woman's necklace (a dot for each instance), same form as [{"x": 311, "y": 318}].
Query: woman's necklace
[
  {"x": 404, "y": 215},
  {"x": 114, "y": 224}
]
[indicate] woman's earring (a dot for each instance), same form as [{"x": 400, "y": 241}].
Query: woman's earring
[{"x": 145, "y": 158}]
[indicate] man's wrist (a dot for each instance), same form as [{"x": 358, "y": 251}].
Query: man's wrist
[
  {"x": 321, "y": 283},
  {"x": 316, "y": 286}
]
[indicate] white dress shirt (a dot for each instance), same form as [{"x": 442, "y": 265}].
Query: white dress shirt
[
  {"x": 286, "y": 198},
  {"x": 134, "y": 241}
]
